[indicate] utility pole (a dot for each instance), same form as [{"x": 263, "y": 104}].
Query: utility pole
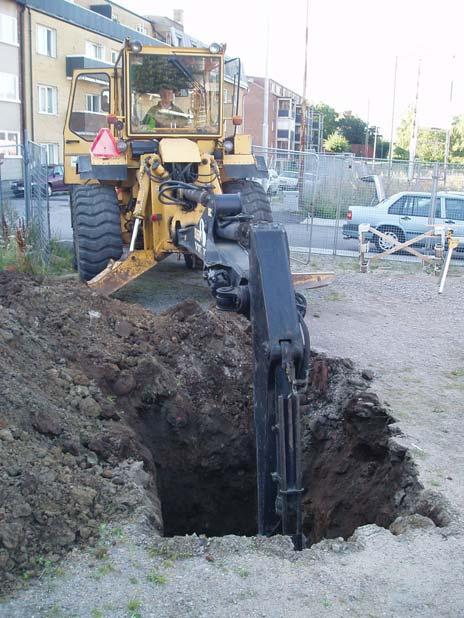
[
  {"x": 265, "y": 139},
  {"x": 392, "y": 127},
  {"x": 304, "y": 107},
  {"x": 415, "y": 128},
  {"x": 375, "y": 143},
  {"x": 366, "y": 143},
  {"x": 450, "y": 121}
]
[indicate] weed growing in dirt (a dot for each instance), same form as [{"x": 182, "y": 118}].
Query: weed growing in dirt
[
  {"x": 104, "y": 569},
  {"x": 334, "y": 296},
  {"x": 457, "y": 373},
  {"x": 242, "y": 572},
  {"x": 101, "y": 553},
  {"x": 156, "y": 578},
  {"x": 133, "y": 580},
  {"x": 133, "y": 607},
  {"x": 97, "y": 613},
  {"x": 327, "y": 603}
]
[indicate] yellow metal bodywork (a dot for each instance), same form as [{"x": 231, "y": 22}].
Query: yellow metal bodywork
[
  {"x": 138, "y": 194},
  {"x": 179, "y": 150},
  {"x": 242, "y": 144}
]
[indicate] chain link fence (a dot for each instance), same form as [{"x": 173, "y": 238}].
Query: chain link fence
[
  {"x": 24, "y": 206},
  {"x": 312, "y": 195}
]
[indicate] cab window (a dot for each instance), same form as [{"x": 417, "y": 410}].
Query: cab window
[{"x": 90, "y": 105}]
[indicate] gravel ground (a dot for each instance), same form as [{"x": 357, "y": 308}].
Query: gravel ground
[{"x": 395, "y": 324}]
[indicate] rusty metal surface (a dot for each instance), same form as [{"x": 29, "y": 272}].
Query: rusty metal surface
[{"x": 117, "y": 274}]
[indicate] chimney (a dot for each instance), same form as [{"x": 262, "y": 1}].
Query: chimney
[{"x": 178, "y": 16}]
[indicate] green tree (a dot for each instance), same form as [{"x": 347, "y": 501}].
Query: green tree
[
  {"x": 352, "y": 127},
  {"x": 330, "y": 117},
  {"x": 337, "y": 143},
  {"x": 430, "y": 142},
  {"x": 457, "y": 139}
]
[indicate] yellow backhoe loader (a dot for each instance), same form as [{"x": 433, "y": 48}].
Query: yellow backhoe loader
[{"x": 151, "y": 173}]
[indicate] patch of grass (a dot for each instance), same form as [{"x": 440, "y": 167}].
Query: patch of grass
[
  {"x": 327, "y": 603},
  {"x": 96, "y": 613},
  {"x": 156, "y": 578},
  {"x": 101, "y": 553},
  {"x": 168, "y": 564},
  {"x": 242, "y": 572},
  {"x": 168, "y": 553},
  {"x": 334, "y": 296},
  {"x": 133, "y": 580},
  {"x": 133, "y": 608},
  {"x": 457, "y": 373},
  {"x": 103, "y": 570}
]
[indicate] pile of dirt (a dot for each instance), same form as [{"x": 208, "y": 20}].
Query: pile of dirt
[
  {"x": 109, "y": 411},
  {"x": 79, "y": 374}
]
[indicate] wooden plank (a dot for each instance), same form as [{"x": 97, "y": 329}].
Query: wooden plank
[
  {"x": 397, "y": 246},
  {"x": 311, "y": 280}
]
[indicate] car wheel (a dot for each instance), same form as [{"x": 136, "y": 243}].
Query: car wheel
[{"x": 392, "y": 232}]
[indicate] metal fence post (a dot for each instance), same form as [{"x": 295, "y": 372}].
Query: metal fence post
[{"x": 27, "y": 178}]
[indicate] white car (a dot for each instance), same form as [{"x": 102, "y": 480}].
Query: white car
[
  {"x": 406, "y": 215},
  {"x": 271, "y": 183},
  {"x": 290, "y": 180}
]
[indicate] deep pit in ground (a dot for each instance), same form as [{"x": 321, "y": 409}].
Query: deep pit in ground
[
  {"x": 354, "y": 473},
  {"x": 110, "y": 412}
]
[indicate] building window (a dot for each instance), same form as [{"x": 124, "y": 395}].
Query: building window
[
  {"x": 282, "y": 145},
  {"x": 9, "y": 87},
  {"x": 92, "y": 103},
  {"x": 46, "y": 41},
  {"x": 9, "y": 143},
  {"x": 94, "y": 50},
  {"x": 282, "y": 133},
  {"x": 141, "y": 28},
  {"x": 8, "y": 29},
  {"x": 114, "y": 56},
  {"x": 50, "y": 154},
  {"x": 48, "y": 100},
  {"x": 226, "y": 96},
  {"x": 284, "y": 108}
]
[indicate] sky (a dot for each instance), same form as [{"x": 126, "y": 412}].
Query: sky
[{"x": 351, "y": 52}]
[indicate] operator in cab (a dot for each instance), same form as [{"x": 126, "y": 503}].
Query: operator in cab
[{"x": 165, "y": 114}]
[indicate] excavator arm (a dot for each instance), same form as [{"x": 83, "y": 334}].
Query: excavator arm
[{"x": 256, "y": 281}]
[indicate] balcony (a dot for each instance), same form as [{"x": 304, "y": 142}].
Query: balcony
[{"x": 83, "y": 62}]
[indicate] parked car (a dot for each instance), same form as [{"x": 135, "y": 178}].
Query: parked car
[
  {"x": 406, "y": 215},
  {"x": 270, "y": 183},
  {"x": 290, "y": 180},
  {"x": 55, "y": 182}
]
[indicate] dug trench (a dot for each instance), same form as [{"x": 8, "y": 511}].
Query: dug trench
[{"x": 109, "y": 412}]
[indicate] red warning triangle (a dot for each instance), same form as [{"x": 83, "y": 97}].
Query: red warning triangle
[{"x": 104, "y": 145}]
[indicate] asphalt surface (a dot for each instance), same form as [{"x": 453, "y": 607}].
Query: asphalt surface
[{"x": 324, "y": 237}]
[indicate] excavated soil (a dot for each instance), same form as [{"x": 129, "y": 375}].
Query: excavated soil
[{"x": 110, "y": 412}]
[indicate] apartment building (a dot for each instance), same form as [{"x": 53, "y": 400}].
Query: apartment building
[
  {"x": 284, "y": 116},
  {"x": 10, "y": 102},
  {"x": 43, "y": 41}
]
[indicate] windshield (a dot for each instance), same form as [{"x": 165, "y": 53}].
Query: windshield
[{"x": 175, "y": 94}]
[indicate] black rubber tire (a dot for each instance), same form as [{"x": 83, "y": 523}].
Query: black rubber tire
[
  {"x": 96, "y": 228},
  {"x": 388, "y": 229},
  {"x": 255, "y": 202}
]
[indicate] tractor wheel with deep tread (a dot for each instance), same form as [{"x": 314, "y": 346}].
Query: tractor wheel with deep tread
[
  {"x": 254, "y": 202},
  {"x": 96, "y": 228}
]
